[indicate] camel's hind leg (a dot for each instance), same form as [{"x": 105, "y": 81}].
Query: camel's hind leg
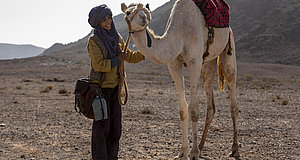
[
  {"x": 175, "y": 69},
  {"x": 208, "y": 76},
  {"x": 229, "y": 69}
]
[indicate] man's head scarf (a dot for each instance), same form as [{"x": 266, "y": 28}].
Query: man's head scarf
[{"x": 110, "y": 38}]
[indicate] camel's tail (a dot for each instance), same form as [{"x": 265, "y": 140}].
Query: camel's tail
[
  {"x": 222, "y": 80},
  {"x": 221, "y": 75}
]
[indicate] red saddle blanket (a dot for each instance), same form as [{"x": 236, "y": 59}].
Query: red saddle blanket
[{"x": 216, "y": 12}]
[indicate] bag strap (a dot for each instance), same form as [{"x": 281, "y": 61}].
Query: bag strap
[
  {"x": 99, "y": 43},
  {"x": 102, "y": 78}
]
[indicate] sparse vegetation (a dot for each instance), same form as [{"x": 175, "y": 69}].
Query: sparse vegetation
[
  {"x": 18, "y": 87},
  {"x": 26, "y": 80},
  {"x": 269, "y": 79},
  {"x": 160, "y": 82},
  {"x": 53, "y": 80},
  {"x": 248, "y": 77},
  {"x": 62, "y": 91},
  {"x": 284, "y": 102},
  {"x": 277, "y": 96},
  {"x": 146, "y": 111},
  {"x": 36, "y": 125},
  {"x": 47, "y": 89}
]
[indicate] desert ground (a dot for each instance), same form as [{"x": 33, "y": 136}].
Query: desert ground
[{"x": 38, "y": 120}]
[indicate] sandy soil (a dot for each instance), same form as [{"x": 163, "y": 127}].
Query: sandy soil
[{"x": 40, "y": 123}]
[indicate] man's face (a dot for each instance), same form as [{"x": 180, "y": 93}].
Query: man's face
[{"x": 106, "y": 23}]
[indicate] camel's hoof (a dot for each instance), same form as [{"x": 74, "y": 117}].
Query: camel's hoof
[
  {"x": 181, "y": 156},
  {"x": 234, "y": 154}
]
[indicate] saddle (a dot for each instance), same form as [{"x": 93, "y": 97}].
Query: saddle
[{"x": 216, "y": 12}]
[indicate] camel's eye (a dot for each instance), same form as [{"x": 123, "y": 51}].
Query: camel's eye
[{"x": 128, "y": 13}]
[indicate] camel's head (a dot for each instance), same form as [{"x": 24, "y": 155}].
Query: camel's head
[{"x": 137, "y": 15}]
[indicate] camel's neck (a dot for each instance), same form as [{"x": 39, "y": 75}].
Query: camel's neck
[{"x": 162, "y": 50}]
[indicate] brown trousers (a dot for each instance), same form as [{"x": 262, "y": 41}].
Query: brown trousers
[{"x": 106, "y": 133}]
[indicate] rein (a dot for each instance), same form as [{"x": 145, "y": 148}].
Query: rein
[{"x": 122, "y": 70}]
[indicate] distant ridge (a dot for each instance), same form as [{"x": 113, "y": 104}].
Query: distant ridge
[
  {"x": 11, "y": 51},
  {"x": 266, "y": 31}
]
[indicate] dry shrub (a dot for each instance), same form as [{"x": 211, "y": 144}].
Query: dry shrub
[
  {"x": 277, "y": 96},
  {"x": 269, "y": 79},
  {"x": 18, "y": 87},
  {"x": 249, "y": 77},
  {"x": 146, "y": 111},
  {"x": 53, "y": 80},
  {"x": 284, "y": 102},
  {"x": 273, "y": 99},
  {"x": 47, "y": 89},
  {"x": 26, "y": 80},
  {"x": 62, "y": 91}
]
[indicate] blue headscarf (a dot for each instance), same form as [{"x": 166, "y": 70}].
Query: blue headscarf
[{"x": 110, "y": 38}]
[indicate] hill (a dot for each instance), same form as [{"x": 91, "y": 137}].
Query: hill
[
  {"x": 266, "y": 31},
  {"x": 38, "y": 119},
  {"x": 10, "y": 51}
]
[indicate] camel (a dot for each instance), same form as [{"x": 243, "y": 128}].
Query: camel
[{"x": 184, "y": 42}]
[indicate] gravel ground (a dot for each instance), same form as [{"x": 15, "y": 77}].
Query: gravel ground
[{"x": 36, "y": 123}]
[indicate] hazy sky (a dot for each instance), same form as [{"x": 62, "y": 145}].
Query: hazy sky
[{"x": 45, "y": 22}]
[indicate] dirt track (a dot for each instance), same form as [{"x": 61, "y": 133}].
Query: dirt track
[{"x": 36, "y": 125}]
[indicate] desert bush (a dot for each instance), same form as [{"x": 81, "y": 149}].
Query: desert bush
[
  {"x": 53, "y": 80},
  {"x": 47, "y": 89},
  {"x": 269, "y": 79},
  {"x": 277, "y": 96},
  {"x": 160, "y": 82},
  {"x": 26, "y": 80},
  {"x": 284, "y": 102},
  {"x": 249, "y": 77},
  {"x": 273, "y": 99},
  {"x": 62, "y": 91},
  {"x": 18, "y": 87},
  {"x": 146, "y": 111}
]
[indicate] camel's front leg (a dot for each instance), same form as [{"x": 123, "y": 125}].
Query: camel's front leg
[
  {"x": 195, "y": 72},
  {"x": 175, "y": 69}
]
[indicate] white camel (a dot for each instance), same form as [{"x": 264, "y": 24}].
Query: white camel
[{"x": 184, "y": 42}]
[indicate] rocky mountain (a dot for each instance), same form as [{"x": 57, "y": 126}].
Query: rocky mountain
[
  {"x": 266, "y": 31},
  {"x": 10, "y": 51}
]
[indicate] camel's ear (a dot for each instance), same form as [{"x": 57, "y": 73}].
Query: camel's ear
[
  {"x": 147, "y": 6},
  {"x": 123, "y": 7}
]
